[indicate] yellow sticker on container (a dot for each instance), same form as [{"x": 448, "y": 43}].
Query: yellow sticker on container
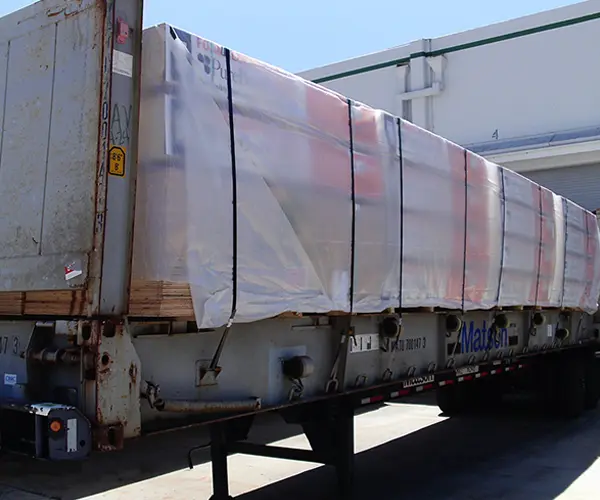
[{"x": 116, "y": 162}]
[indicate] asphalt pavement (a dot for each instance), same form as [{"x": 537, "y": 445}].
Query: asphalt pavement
[{"x": 405, "y": 450}]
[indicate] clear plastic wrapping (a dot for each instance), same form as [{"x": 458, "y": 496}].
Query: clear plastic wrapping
[
  {"x": 266, "y": 193},
  {"x": 433, "y": 210},
  {"x": 521, "y": 241},
  {"x": 484, "y": 245}
]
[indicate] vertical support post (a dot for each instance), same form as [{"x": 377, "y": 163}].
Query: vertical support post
[
  {"x": 118, "y": 371},
  {"x": 110, "y": 267},
  {"x": 344, "y": 449},
  {"x": 218, "y": 457}
]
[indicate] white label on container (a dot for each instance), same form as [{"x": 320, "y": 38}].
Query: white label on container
[
  {"x": 122, "y": 63},
  {"x": 549, "y": 331},
  {"x": 415, "y": 381},
  {"x": 71, "y": 273},
  {"x": 71, "y": 435},
  {"x": 10, "y": 379},
  {"x": 364, "y": 343},
  {"x": 466, "y": 370}
]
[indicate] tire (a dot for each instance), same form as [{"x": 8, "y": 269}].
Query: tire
[
  {"x": 570, "y": 387},
  {"x": 451, "y": 399},
  {"x": 592, "y": 383}
]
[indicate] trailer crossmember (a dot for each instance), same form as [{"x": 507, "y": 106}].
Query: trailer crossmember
[
  {"x": 328, "y": 423},
  {"x": 329, "y": 428}
]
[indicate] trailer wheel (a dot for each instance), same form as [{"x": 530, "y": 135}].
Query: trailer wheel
[
  {"x": 592, "y": 382},
  {"x": 570, "y": 387},
  {"x": 452, "y": 399},
  {"x": 470, "y": 396}
]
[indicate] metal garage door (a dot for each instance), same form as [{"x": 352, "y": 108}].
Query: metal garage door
[{"x": 580, "y": 184}]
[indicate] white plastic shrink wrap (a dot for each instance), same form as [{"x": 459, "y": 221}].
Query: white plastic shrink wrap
[
  {"x": 434, "y": 219},
  {"x": 267, "y": 193},
  {"x": 521, "y": 240},
  {"x": 581, "y": 258},
  {"x": 484, "y": 245}
]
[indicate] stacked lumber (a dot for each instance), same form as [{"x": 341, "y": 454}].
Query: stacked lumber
[
  {"x": 293, "y": 199},
  {"x": 160, "y": 299},
  {"x": 43, "y": 303}
]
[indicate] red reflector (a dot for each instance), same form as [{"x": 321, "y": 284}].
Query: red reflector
[
  {"x": 468, "y": 377},
  {"x": 484, "y": 374},
  {"x": 449, "y": 382},
  {"x": 375, "y": 399},
  {"x": 428, "y": 386}
]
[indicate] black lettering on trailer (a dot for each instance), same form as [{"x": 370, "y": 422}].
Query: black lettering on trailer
[
  {"x": 409, "y": 344},
  {"x": 9, "y": 345}
]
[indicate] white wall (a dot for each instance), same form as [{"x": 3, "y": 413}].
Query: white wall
[
  {"x": 376, "y": 88},
  {"x": 518, "y": 85},
  {"x": 530, "y": 85}
]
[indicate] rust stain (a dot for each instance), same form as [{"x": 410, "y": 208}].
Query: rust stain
[
  {"x": 68, "y": 12},
  {"x": 105, "y": 364},
  {"x": 109, "y": 438},
  {"x": 56, "y": 13},
  {"x": 133, "y": 373}
]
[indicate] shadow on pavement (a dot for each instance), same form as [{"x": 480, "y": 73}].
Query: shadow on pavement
[
  {"x": 474, "y": 453},
  {"x": 509, "y": 453}
]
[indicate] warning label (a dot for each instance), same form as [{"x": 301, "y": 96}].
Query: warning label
[{"x": 116, "y": 165}]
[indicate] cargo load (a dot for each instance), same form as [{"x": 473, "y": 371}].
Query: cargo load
[
  {"x": 153, "y": 194},
  {"x": 267, "y": 194}
]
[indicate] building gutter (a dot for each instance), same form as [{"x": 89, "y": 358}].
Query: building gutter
[
  {"x": 469, "y": 45},
  {"x": 542, "y": 158}
]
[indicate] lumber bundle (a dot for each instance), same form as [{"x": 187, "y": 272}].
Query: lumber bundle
[
  {"x": 160, "y": 299},
  {"x": 43, "y": 303},
  {"x": 270, "y": 195}
]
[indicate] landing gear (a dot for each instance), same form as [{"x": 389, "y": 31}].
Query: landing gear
[
  {"x": 218, "y": 456},
  {"x": 328, "y": 426}
]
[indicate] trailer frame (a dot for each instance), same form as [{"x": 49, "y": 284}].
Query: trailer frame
[{"x": 328, "y": 421}]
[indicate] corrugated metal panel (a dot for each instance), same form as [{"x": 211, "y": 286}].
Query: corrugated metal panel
[
  {"x": 50, "y": 74},
  {"x": 580, "y": 184}
]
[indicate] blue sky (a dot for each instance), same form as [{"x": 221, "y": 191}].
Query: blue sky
[{"x": 309, "y": 33}]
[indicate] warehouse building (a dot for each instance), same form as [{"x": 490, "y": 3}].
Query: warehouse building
[{"x": 524, "y": 93}]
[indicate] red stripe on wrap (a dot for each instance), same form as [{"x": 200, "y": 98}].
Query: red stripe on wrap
[
  {"x": 548, "y": 255},
  {"x": 456, "y": 157},
  {"x": 478, "y": 240},
  {"x": 535, "y": 247},
  {"x": 590, "y": 265}
]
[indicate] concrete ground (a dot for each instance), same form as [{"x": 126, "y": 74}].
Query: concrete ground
[{"x": 404, "y": 450}]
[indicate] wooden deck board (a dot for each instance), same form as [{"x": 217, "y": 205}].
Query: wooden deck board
[
  {"x": 148, "y": 299},
  {"x": 43, "y": 303}
]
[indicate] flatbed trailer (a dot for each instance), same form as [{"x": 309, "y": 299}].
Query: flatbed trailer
[{"x": 90, "y": 357}]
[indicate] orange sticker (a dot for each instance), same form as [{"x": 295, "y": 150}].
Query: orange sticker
[{"x": 116, "y": 163}]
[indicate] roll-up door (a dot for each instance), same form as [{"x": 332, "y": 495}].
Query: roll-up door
[{"x": 580, "y": 184}]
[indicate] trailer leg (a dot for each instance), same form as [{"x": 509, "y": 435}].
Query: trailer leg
[
  {"x": 330, "y": 431},
  {"x": 344, "y": 449},
  {"x": 218, "y": 457},
  {"x": 329, "y": 428}
]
